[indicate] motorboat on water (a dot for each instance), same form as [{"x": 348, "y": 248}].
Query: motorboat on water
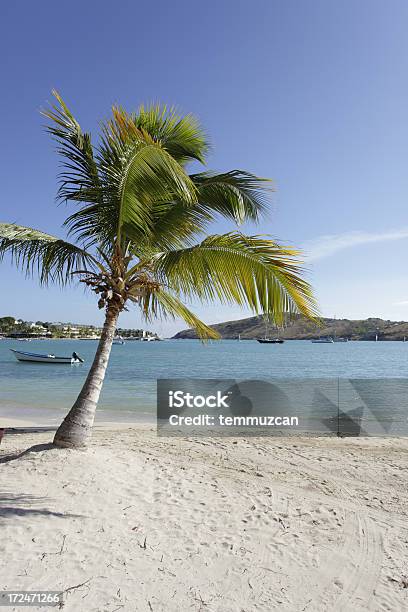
[
  {"x": 36, "y": 358},
  {"x": 323, "y": 341}
]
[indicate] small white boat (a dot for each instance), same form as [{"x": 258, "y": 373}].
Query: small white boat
[
  {"x": 34, "y": 357},
  {"x": 323, "y": 341},
  {"x": 118, "y": 340}
]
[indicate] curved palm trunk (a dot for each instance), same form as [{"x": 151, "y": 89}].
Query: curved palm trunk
[{"x": 76, "y": 428}]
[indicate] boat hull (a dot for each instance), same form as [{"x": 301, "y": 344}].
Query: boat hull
[
  {"x": 267, "y": 341},
  {"x": 32, "y": 357}
]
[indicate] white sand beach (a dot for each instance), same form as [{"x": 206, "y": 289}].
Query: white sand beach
[{"x": 143, "y": 523}]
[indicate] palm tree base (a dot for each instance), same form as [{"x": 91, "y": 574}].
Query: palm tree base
[
  {"x": 64, "y": 443},
  {"x": 72, "y": 435}
]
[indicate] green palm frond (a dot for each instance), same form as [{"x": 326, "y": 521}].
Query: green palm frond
[
  {"x": 182, "y": 137},
  {"x": 80, "y": 179},
  {"x": 236, "y": 195},
  {"x": 239, "y": 195},
  {"x": 137, "y": 174},
  {"x": 174, "y": 225},
  {"x": 36, "y": 252},
  {"x": 92, "y": 225},
  {"x": 142, "y": 213},
  {"x": 161, "y": 303},
  {"x": 247, "y": 270},
  {"x": 151, "y": 177}
]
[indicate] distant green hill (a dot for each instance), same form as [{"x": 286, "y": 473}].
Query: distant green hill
[{"x": 303, "y": 329}]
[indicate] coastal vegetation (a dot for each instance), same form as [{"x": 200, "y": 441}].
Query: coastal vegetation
[
  {"x": 302, "y": 328},
  {"x": 12, "y": 327},
  {"x": 138, "y": 234}
]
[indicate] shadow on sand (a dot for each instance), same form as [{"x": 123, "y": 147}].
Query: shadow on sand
[
  {"x": 12, "y": 505},
  {"x": 36, "y": 448}
]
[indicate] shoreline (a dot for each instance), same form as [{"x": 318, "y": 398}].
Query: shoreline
[{"x": 14, "y": 417}]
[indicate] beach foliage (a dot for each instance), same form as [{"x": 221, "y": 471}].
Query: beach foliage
[{"x": 138, "y": 231}]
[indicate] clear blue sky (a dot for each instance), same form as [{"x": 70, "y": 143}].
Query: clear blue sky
[{"x": 313, "y": 94}]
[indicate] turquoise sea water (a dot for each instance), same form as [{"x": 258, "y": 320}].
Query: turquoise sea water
[{"x": 28, "y": 390}]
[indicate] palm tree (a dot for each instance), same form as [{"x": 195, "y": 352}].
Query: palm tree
[{"x": 134, "y": 234}]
